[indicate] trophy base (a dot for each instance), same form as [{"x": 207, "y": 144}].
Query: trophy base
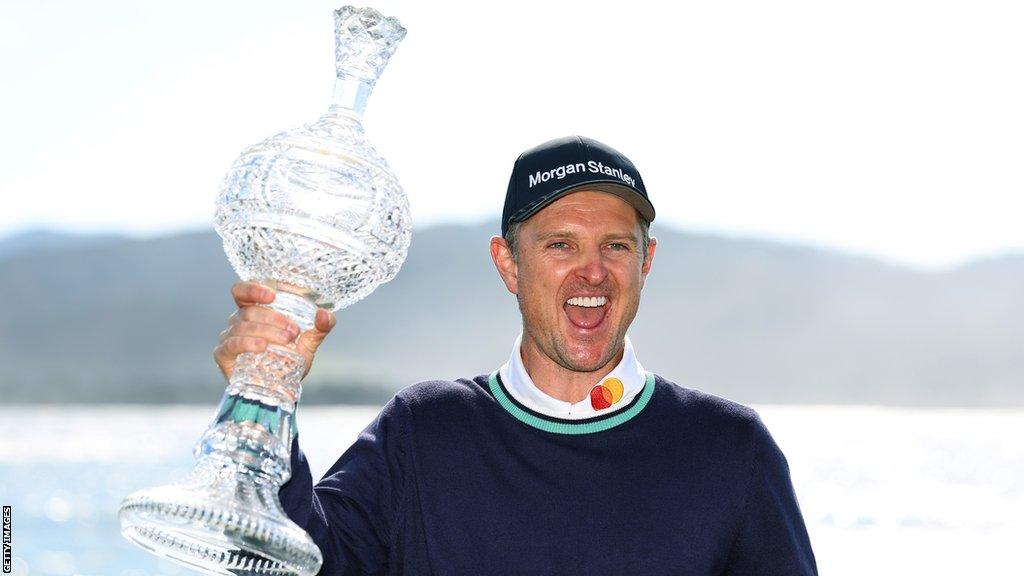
[{"x": 196, "y": 526}]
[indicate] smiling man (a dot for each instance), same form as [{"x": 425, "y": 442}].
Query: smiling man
[
  {"x": 577, "y": 270},
  {"x": 570, "y": 458}
]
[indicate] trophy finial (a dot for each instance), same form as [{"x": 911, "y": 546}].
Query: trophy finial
[{"x": 364, "y": 40}]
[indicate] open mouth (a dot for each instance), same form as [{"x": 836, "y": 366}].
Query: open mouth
[{"x": 587, "y": 312}]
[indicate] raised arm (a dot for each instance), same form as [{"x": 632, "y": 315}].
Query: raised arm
[{"x": 353, "y": 513}]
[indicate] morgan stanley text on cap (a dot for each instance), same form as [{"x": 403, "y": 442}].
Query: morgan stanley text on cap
[{"x": 544, "y": 174}]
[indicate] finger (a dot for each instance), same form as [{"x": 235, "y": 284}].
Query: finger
[
  {"x": 309, "y": 341},
  {"x": 264, "y": 315},
  {"x": 227, "y": 351},
  {"x": 324, "y": 320},
  {"x": 268, "y": 332},
  {"x": 250, "y": 293}
]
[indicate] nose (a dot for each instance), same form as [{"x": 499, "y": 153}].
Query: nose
[{"x": 592, "y": 267}]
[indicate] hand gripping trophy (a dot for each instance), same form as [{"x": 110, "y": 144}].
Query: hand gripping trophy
[{"x": 316, "y": 213}]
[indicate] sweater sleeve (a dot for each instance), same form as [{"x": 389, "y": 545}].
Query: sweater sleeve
[
  {"x": 772, "y": 538},
  {"x": 352, "y": 513}
]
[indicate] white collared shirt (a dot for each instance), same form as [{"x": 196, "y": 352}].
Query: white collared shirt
[{"x": 620, "y": 386}]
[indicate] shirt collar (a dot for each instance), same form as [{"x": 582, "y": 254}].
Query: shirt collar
[{"x": 607, "y": 395}]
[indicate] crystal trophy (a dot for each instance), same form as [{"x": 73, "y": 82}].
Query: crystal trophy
[{"x": 315, "y": 213}]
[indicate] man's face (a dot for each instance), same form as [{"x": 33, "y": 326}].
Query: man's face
[{"x": 578, "y": 278}]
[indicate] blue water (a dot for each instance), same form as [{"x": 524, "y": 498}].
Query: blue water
[
  {"x": 64, "y": 517},
  {"x": 883, "y": 491}
]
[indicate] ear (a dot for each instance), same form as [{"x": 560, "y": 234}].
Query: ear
[
  {"x": 645, "y": 268},
  {"x": 506, "y": 265}
]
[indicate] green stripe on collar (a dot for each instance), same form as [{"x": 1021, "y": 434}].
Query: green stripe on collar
[{"x": 590, "y": 427}]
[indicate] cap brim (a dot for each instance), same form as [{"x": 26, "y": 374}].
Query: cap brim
[{"x": 629, "y": 195}]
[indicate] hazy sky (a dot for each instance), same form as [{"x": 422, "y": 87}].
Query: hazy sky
[{"x": 890, "y": 128}]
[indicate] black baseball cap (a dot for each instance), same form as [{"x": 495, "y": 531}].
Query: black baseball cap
[{"x": 555, "y": 168}]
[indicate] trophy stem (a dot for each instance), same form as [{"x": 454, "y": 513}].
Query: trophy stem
[
  {"x": 350, "y": 94},
  {"x": 292, "y": 302},
  {"x": 255, "y": 423},
  {"x": 226, "y": 518}
]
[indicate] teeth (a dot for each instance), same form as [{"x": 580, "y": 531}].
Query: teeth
[{"x": 588, "y": 301}]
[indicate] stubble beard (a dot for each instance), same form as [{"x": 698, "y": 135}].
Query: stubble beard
[{"x": 554, "y": 347}]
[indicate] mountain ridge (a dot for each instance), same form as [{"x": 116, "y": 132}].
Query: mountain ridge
[{"x": 128, "y": 320}]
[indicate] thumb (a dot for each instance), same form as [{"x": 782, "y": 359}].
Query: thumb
[{"x": 311, "y": 339}]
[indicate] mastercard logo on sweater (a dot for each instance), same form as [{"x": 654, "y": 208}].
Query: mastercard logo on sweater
[{"x": 605, "y": 394}]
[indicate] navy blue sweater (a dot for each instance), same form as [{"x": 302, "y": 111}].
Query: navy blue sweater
[{"x": 456, "y": 478}]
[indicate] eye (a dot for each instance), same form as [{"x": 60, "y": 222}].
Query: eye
[
  {"x": 558, "y": 245},
  {"x": 619, "y": 246}
]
